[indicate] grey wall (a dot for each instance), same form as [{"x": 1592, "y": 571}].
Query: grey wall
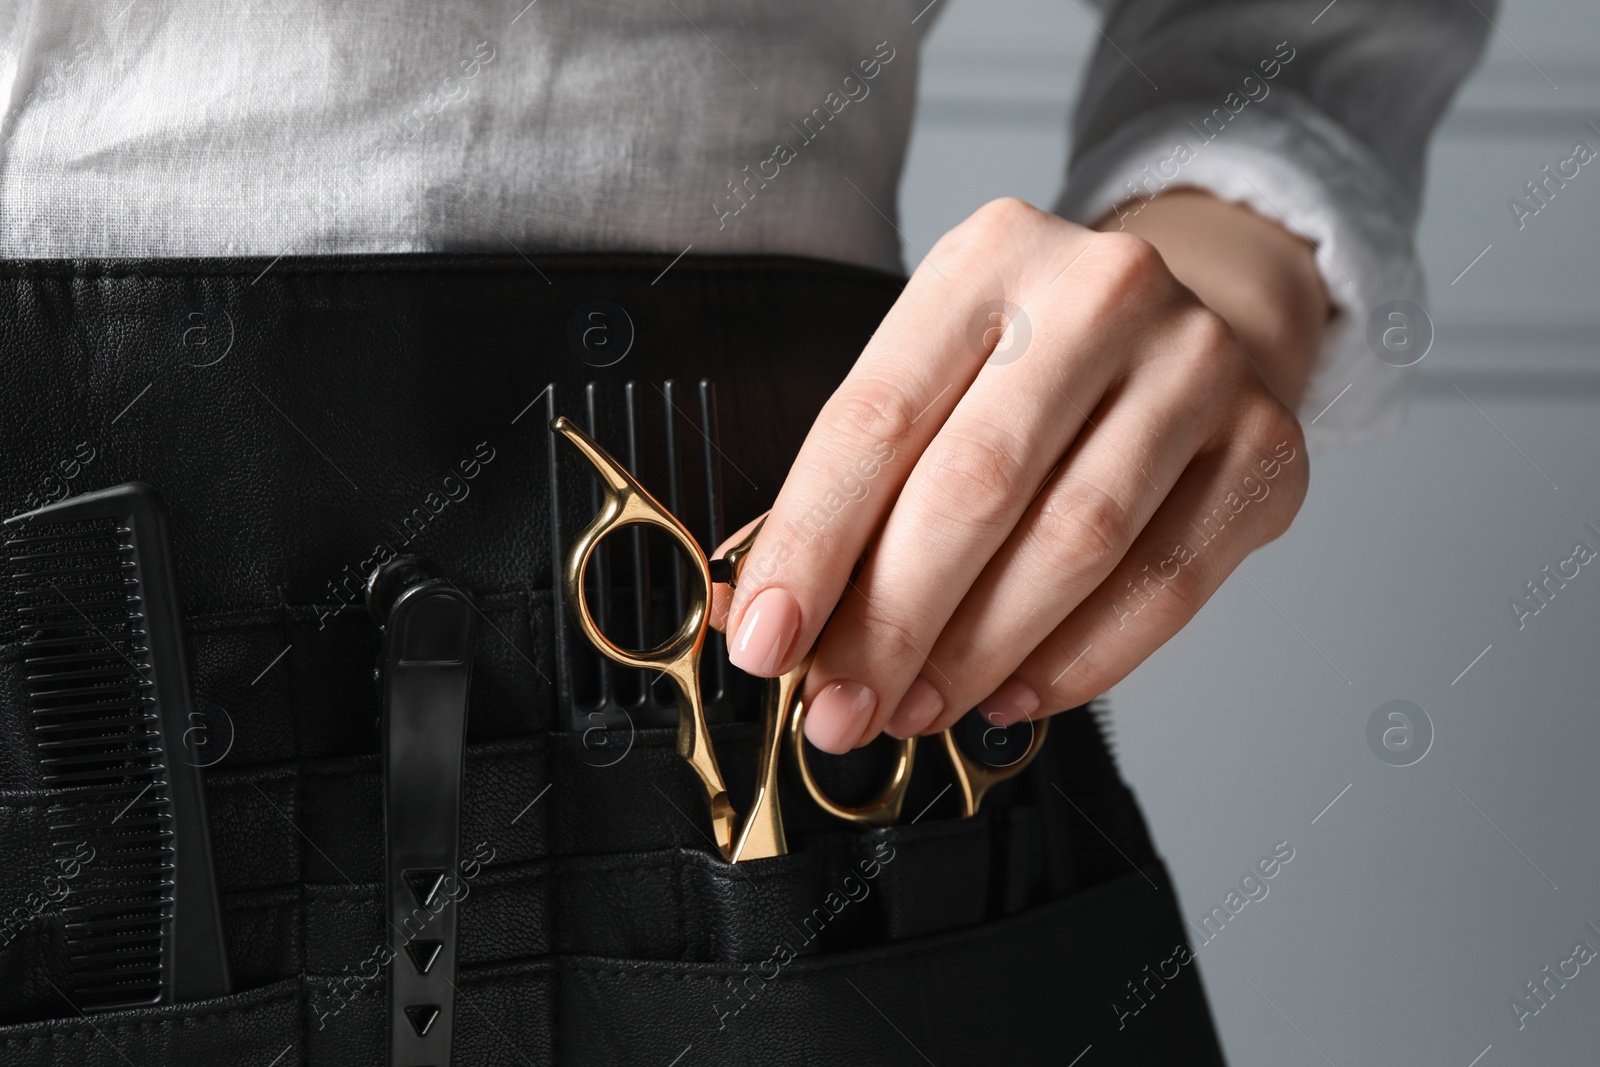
[{"x": 1423, "y": 900}]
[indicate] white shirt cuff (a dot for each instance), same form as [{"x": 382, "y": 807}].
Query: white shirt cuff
[{"x": 1309, "y": 175}]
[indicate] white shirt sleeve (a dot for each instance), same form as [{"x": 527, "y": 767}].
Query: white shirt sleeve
[{"x": 1320, "y": 122}]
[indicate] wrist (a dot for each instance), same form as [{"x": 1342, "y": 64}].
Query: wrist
[{"x": 1261, "y": 278}]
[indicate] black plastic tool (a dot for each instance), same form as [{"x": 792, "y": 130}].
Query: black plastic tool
[
  {"x": 429, "y": 628},
  {"x": 667, "y": 434},
  {"x": 107, "y": 677}
]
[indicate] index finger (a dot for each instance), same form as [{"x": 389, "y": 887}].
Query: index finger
[{"x": 860, "y": 450}]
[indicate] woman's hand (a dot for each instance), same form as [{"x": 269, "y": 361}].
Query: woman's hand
[{"x": 1048, "y": 457}]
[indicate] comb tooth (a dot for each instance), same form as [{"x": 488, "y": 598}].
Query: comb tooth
[
  {"x": 120, "y": 924},
  {"x": 715, "y": 508},
  {"x": 119, "y": 985},
  {"x": 81, "y": 655},
  {"x": 639, "y": 547},
  {"x": 112, "y": 756},
  {"x": 96, "y": 781},
  {"x": 147, "y": 823},
  {"x": 103, "y": 798},
  {"x": 152, "y": 851},
  {"x": 152, "y": 870},
  {"x": 104, "y": 936},
  {"x": 711, "y": 454},
  {"x": 79, "y": 615},
  {"x": 127, "y": 912},
  {"x": 55, "y": 684},
  {"x": 118, "y": 982},
  {"x": 107, "y": 755},
  {"x": 115, "y": 899},
  {"x": 105, "y": 969},
  {"x": 135, "y": 685},
  {"x": 64, "y": 730},
  {"x": 112, "y": 667},
  {"x": 106, "y": 797},
  {"x": 56, "y": 642},
  {"x": 56, "y": 555},
  {"x": 120, "y": 996},
  {"x": 56, "y": 729},
  {"x": 154, "y": 773},
  {"x": 104, "y": 918},
  {"x": 600, "y": 568},
  {"x": 674, "y": 505},
  {"x": 129, "y": 697},
  {"x": 141, "y": 989},
  {"x": 101, "y": 534},
  {"x": 50, "y": 717},
  {"x": 566, "y": 666},
  {"x": 107, "y": 586},
  {"x": 119, "y": 904},
  {"x": 131, "y": 953}
]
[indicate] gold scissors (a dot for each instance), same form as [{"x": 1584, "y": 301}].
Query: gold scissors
[{"x": 760, "y": 833}]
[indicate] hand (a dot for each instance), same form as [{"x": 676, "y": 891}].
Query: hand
[{"x": 1048, "y": 457}]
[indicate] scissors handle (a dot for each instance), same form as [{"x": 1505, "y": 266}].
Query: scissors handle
[
  {"x": 975, "y": 779},
  {"x": 761, "y": 833},
  {"x": 881, "y": 810},
  {"x": 627, "y": 503}
]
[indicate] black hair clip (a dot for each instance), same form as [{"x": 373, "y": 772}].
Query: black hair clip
[{"x": 429, "y": 627}]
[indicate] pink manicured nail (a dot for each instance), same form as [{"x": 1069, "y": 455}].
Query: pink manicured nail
[
  {"x": 839, "y": 715},
  {"x": 920, "y": 706},
  {"x": 768, "y": 629},
  {"x": 1011, "y": 703}
]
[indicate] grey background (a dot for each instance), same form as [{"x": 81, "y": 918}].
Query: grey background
[{"x": 1408, "y": 918}]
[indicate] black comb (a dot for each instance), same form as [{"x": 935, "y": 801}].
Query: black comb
[
  {"x": 666, "y": 436},
  {"x": 107, "y": 679}
]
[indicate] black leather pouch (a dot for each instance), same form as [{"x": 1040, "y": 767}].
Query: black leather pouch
[{"x": 300, "y": 416}]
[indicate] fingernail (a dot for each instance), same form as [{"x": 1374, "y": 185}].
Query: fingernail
[
  {"x": 768, "y": 629},
  {"x": 1011, "y": 703},
  {"x": 839, "y": 715},
  {"x": 921, "y": 705}
]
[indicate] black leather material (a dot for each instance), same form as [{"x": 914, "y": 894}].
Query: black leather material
[{"x": 298, "y": 414}]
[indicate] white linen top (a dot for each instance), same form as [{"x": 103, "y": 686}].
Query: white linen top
[{"x": 159, "y": 128}]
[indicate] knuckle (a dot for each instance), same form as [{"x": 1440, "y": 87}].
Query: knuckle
[
  {"x": 1205, "y": 357},
  {"x": 979, "y": 478},
  {"x": 1204, "y": 335},
  {"x": 1128, "y": 265},
  {"x": 1006, "y": 212},
  {"x": 1075, "y": 683},
  {"x": 1294, "y": 478},
  {"x": 889, "y": 637},
  {"x": 1271, "y": 428},
  {"x": 873, "y": 410},
  {"x": 991, "y": 229},
  {"x": 1176, "y": 600},
  {"x": 1087, "y": 531}
]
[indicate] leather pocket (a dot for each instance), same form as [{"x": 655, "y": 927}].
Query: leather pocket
[
  {"x": 502, "y": 1018},
  {"x": 1039, "y": 986},
  {"x": 237, "y": 1029}
]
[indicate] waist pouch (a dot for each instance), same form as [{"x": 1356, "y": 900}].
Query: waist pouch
[{"x": 304, "y": 419}]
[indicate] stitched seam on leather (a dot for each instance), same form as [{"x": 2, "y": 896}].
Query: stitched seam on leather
[
  {"x": 202, "y": 1016},
  {"x": 502, "y": 602}
]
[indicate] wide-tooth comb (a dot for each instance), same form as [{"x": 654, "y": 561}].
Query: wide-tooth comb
[
  {"x": 107, "y": 680},
  {"x": 660, "y": 443}
]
